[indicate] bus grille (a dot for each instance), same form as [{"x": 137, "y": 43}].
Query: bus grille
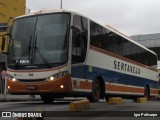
[{"x": 33, "y": 80}]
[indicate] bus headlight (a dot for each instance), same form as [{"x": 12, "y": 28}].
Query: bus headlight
[
  {"x": 58, "y": 75},
  {"x": 12, "y": 78},
  {"x": 51, "y": 78}
]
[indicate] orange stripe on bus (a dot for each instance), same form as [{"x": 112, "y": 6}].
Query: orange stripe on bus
[
  {"x": 124, "y": 89},
  {"x": 86, "y": 85},
  {"x": 82, "y": 85},
  {"x": 154, "y": 92}
]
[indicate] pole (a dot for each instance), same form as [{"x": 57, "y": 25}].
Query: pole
[
  {"x": 1, "y": 86},
  {"x": 61, "y": 4},
  {"x": 5, "y": 87}
]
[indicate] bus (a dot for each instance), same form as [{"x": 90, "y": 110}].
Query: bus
[{"x": 62, "y": 53}]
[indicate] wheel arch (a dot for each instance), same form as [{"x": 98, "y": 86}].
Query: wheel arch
[
  {"x": 102, "y": 85},
  {"x": 148, "y": 87}
]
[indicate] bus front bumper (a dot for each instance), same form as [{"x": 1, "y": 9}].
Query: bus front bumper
[{"x": 61, "y": 85}]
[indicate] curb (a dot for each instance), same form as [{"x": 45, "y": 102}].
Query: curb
[
  {"x": 115, "y": 100},
  {"x": 79, "y": 105},
  {"x": 141, "y": 100},
  {"x": 18, "y": 100}
]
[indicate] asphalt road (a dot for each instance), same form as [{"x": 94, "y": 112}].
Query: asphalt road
[{"x": 59, "y": 110}]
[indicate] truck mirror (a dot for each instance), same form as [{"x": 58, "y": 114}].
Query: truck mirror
[{"x": 3, "y": 43}]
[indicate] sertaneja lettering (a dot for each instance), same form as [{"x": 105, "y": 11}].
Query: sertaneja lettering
[{"x": 127, "y": 68}]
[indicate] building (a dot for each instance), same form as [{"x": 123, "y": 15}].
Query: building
[
  {"x": 9, "y": 9},
  {"x": 151, "y": 41}
]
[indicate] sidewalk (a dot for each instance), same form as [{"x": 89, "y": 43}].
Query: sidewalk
[{"x": 17, "y": 98}]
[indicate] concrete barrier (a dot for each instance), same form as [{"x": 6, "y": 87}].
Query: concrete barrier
[
  {"x": 79, "y": 105},
  {"x": 115, "y": 100},
  {"x": 141, "y": 100}
]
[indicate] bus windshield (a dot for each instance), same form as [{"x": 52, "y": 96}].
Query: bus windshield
[{"x": 41, "y": 39}]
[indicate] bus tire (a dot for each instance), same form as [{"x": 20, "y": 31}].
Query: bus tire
[
  {"x": 47, "y": 99},
  {"x": 96, "y": 92},
  {"x": 146, "y": 92},
  {"x": 135, "y": 99},
  {"x": 107, "y": 98}
]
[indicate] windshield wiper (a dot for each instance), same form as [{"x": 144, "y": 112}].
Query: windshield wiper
[
  {"x": 43, "y": 58},
  {"x": 27, "y": 50}
]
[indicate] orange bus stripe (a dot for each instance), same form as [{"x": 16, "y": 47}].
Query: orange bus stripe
[
  {"x": 123, "y": 89},
  {"x": 83, "y": 85},
  {"x": 114, "y": 88},
  {"x": 154, "y": 92}
]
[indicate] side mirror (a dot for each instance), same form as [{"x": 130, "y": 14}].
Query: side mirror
[{"x": 3, "y": 43}]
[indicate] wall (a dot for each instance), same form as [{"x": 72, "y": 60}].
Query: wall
[{"x": 8, "y": 9}]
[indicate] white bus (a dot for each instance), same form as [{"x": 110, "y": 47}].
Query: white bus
[{"x": 63, "y": 53}]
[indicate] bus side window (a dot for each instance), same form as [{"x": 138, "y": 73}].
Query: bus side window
[{"x": 79, "y": 39}]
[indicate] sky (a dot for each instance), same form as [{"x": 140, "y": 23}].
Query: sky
[{"x": 131, "y": 17}]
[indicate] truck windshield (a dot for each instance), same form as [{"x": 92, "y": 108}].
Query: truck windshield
[{"x": 41, "y": 39}]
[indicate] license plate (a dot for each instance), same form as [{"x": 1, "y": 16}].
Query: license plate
[{"x": 31, "y": 87}]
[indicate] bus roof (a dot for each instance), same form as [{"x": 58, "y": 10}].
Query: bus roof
[{"x": 76, "y": 12}]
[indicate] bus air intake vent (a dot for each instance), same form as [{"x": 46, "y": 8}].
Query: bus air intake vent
[{"x": 33, "y": 80}]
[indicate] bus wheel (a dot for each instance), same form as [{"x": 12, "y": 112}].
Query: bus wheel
[
  {"x": 96, "y": 92},
  {"x": 146, "y": 92},
  {"x": 107, "y": 98},
  {"x": 47, "y": 98},
  {"x": 135, "y": 99}
]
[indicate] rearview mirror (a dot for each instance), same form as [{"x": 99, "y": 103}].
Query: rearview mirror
[{"x": 3, "y": 43}]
